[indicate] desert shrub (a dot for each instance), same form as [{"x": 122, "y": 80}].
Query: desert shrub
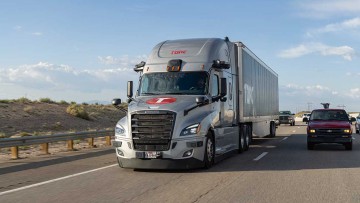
[
  {"x": 21, "y": 134},
  {"x": 46, "y": 100},
  {"x": 29, "y": 109},
  {"x": 5, "y": 101},
  {"x": 2, "y": 135},
  {"x": 23, "y": 100},
  {"x": 85, "y": 104},
  {"x": 57, "y": 126},
  {"x": 78, "y": 111},
  {"x": 64, "y": 102},
  {"x": 72, "y": 102}
]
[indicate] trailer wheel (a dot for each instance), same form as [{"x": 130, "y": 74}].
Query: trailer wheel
[
  {"x": 209, "y": 155},
  {"x": 272, "y": 129},
  {"x": 247, "y": 137},
  {"x": 242, "y": 135}
]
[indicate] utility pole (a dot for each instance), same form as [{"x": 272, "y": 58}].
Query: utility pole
[
  {"x": 342, "y": 106},
  {"x": 309, "y": 106}
]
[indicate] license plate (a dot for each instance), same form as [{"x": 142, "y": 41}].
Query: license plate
[{"x": 148, "y": 155}]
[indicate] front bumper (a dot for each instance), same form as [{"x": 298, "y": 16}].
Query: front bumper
[
  {"x": 188, "y": 163},
  {"x": 340, "y": 139},
  {"x": 286, "y": 121},
  {"x": 174, "y": 158}
]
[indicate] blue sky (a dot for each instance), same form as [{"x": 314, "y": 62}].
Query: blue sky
[{"x": 85, "y": 50}]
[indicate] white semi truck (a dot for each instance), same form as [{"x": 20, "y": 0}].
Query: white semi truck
[{"x": 197, "y": 101}]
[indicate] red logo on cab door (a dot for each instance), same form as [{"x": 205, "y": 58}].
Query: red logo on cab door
[{"x": 161, "y": 100}]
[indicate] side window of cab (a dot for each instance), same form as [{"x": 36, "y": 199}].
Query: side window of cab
[{"x": 214, "y": 85}]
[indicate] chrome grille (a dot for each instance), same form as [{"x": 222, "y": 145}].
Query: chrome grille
[{"x": 152, "y": 130}]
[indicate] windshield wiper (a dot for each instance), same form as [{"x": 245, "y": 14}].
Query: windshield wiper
[
  {"x": 178, "y": 93},
  {"x": 149, "y": 93}
]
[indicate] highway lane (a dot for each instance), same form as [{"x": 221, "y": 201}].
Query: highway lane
[{"x": 277, "y": 169}]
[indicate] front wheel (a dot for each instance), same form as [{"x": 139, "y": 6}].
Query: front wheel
[
  {"x": 310, "y": 146},
  {"x": 348, "y": 146},
  {"x": 242, "y": 139},
  {"x": 209, "y": 155}
]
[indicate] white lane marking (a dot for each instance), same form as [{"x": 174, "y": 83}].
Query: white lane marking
[
  {"x": 261, "y": 156},
  {"x": 56, "y": 179},
  {"x": 284, "y": 139},
  {"x": 294, "y": 131}
]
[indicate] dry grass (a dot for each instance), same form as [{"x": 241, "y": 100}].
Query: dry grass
[{"x": 38, "y": 118}]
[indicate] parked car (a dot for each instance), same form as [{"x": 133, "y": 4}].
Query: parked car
[
  {"x": 305, "y": 117},
  {"x": 357, "y": 125},
  {"x": 286, "y": 117},
  {"x": 329, "y": 126}
]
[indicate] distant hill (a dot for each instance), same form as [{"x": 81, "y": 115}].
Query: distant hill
[{"x": 25, "y": 117}]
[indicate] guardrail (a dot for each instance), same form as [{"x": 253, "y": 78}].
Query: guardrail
[{"x": 44, "y": 141}]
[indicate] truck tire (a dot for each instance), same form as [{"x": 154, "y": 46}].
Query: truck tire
[
  {"x": 310, "y": 146},
  {"x": 242, "y": 135},
  {"x": 247, "y": 137},
  {"x": 348, "y": 146},
  {"x": 272, "y": 129},
  {"x": 119, "y": 162},
  {"x": 209, "y": 155}
]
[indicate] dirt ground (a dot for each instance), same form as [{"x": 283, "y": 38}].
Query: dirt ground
[{"x": 37, "y": 118}]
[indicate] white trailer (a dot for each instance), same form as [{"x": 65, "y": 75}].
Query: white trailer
[{"x": 197, "y": 100}]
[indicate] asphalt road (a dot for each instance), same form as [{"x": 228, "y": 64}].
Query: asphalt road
[{"x": 278, "y": 169}]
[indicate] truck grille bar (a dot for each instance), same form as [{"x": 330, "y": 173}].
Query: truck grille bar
[
  {"x": 329, "y": 131},
  {"x": 152, "y": 130}
]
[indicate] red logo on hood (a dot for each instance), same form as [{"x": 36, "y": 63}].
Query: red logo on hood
[{"x": 161, "y": 100}]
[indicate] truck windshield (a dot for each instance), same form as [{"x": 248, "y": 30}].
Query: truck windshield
[
  {"x": 336, "y": 115},
  {"x": 187, "y": 83}
]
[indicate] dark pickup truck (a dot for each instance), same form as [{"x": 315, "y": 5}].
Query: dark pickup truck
[
  {"x": 329, "y": 126},
  {"x": 286, "y": 117}
]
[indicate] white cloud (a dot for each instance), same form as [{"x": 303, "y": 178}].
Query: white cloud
[
  {"x": 37, "y": 33},
  {"x": 309, "y": 48},
  {"x": 122, "y": 61},
  {"x": 346, "y": 25},
  {"x": 354, "y": 93},
  {"x": 326, "y": 8},
  {"x": 47, "y": 76}
]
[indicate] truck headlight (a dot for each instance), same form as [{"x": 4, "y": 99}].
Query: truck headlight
[
  {"x": 312, "y": 131},
  {"x": 191, "y": 130},
  {"x": 119, "y": 130},
  {"x": 348, "y": 131}
]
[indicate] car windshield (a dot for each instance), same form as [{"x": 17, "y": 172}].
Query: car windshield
[
  {"x": 338, "y": 115},
  {"x": 285, "y": 112},
  {"x": 181, "y": 83}
]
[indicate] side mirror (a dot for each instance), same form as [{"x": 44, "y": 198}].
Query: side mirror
[
  {"x": 130, "y": 89},
  {"x": 116, "y": 102}
]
